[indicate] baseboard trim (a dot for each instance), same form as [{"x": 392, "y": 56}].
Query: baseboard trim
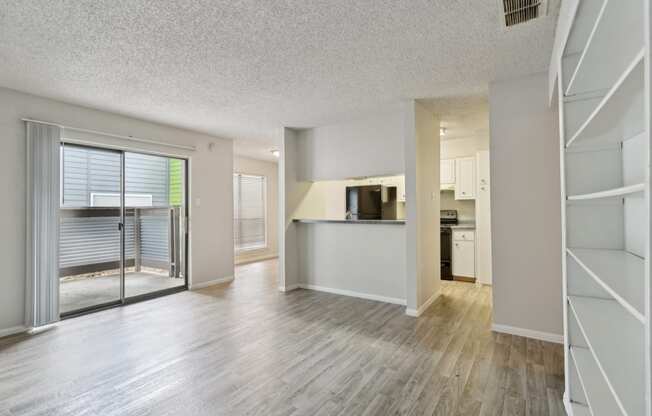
[
  {"x": 528, "y": 333},
  {"x": 201, "y": 285},
  {"x": 288, "y": 288},
  {"x": 418, "y": 312},
  {"x": 255, "y": 259},
  {"x": 567, "y": 406},
  {"x": 353, "y": 294},
  {"x": 13, "y": 330}
]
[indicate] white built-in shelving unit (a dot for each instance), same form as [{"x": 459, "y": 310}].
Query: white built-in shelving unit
[{"x": 603, "y": 90}]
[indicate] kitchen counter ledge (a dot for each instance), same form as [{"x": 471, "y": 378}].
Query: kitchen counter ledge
[{"x": 311, "y": 221}]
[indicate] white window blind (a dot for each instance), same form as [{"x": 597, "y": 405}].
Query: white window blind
[{"x": 249, "y": 212}]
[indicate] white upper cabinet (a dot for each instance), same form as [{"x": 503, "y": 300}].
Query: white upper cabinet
[
  {"x": 447, "y": 172},
  {"x": 465, "y": 178},
  {"x": 395, "y": 181}
]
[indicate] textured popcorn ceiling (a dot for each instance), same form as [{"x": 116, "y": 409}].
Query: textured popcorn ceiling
[
  {"x": 241, "y": 69},
  {"x": 462, "y": 117}
]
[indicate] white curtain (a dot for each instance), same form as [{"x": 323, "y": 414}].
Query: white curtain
[{"x": 42, "y": 269}]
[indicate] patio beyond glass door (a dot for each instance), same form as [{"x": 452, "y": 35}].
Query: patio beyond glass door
[
  {"x": 155, "y": 195},
  {"x": 123, "y": 230},
  {"x": 90, "y": 230}
]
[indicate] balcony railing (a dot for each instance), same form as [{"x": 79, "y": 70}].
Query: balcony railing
[{"x": 90, "y": 239}]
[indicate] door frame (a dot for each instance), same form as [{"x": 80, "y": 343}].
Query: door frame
[{"x": 124, "y": 300}]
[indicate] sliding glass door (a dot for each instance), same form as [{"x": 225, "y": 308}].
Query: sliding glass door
[
  {"x": 155, "y": 200},
  {"x": 122, "y": 230}
]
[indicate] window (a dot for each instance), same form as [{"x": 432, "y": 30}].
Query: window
[{"x": 249, "y": 212}]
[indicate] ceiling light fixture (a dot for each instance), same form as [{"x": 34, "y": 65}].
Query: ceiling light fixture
[{"x": 276, "y": 152}]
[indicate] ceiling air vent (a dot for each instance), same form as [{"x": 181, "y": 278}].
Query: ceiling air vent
[{"x": 520, "y": 11}]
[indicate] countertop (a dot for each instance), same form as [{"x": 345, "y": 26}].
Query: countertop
[
  {"x": 464, "y": 225},
  {"x": 309, "y": 221}
]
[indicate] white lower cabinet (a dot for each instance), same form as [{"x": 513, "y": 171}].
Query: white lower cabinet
[{"x": 464, "y": 253}]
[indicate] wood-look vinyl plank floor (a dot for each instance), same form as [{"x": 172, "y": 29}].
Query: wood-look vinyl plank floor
[{"x": 246, "y": 349}]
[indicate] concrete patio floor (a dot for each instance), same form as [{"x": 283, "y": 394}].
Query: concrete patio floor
[{"x": 82, "y": 293}]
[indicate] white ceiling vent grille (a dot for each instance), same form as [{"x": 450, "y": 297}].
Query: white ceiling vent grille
[{"x": 520, "y": 11}]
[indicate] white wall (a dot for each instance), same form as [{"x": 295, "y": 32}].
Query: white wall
[
  {"x": 454, "y": 148},
  {"x": 324, "y": 200},
  {"x": 371, "y": 146},
  {"x": 211, "y": 181},
  {"x": 308, "y": 156},
  {"x": 313, "y": 169},
  {"x": 270, "y": 171},
  {"x": 366, "y": 260},
  {"x": 291, "y": 192},
  {"x": 422, "y": 154},
  {"x": 525, "y": 206}
]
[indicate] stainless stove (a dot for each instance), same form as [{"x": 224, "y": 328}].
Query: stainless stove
[{"x": 447, "y": 217}]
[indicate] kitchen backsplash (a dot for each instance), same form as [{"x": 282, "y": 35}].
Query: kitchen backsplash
[{"x": 465, "y": 209}]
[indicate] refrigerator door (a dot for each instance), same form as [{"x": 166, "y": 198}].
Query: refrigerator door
[{"x": 370, "y": 203}]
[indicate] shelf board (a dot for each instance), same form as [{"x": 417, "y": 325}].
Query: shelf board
[
  {"x": 597, "y": 67},
  {"x": 618, "y": 272},
  {"x": 617, "y": 105},
  {"x": 616, "y": 340},
  {"x": 585, "y": 16},
  {"x": 610, "y": 193},
  {"x": 597, "y": 392}
]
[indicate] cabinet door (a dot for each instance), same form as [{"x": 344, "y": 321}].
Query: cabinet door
[
  {"x": 464, "y": 258},
  {"x": 447, "y": 171},
  {"x": 465, "y": 178},
  {"x": 483, "y": 220},
  {"x": 395, "y": 181}
]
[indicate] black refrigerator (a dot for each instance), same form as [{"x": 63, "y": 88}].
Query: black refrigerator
[{"x": 364, "y": 202}]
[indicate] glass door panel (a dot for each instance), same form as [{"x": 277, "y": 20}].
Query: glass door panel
[
  {"x": 89, "y": 229},
  {"x": 155, "y": 203}
]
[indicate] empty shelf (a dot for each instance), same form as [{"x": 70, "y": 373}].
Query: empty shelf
[
  {"x": 585, "y": 17},
  {"x": 595, "y": 387},
  {"x": 610, "y": 193},
  {"x": 615, "y": 39},
  {"x": 621, "y": 110},
  {"x": 616, "y": 340},
  {"x": 620, "y": 273}
]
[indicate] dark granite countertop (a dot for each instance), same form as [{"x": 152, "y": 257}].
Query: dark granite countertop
[{"x": 311, "y": 221}]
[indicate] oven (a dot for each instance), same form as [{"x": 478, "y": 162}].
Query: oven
[
  {"x": 447, "y": 217},
  {"x": 446, "y": 255}
]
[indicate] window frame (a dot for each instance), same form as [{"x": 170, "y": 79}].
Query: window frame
[{"x": 265, "y": 244}]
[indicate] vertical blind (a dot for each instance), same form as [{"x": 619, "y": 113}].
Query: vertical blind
[{"x": 249, "y": 211}]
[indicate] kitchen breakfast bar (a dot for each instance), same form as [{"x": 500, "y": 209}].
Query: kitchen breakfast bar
[{"x": 362, "y": 258}]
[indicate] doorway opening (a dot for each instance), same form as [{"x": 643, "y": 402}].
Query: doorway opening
[{"x": 123, "y": 230}]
